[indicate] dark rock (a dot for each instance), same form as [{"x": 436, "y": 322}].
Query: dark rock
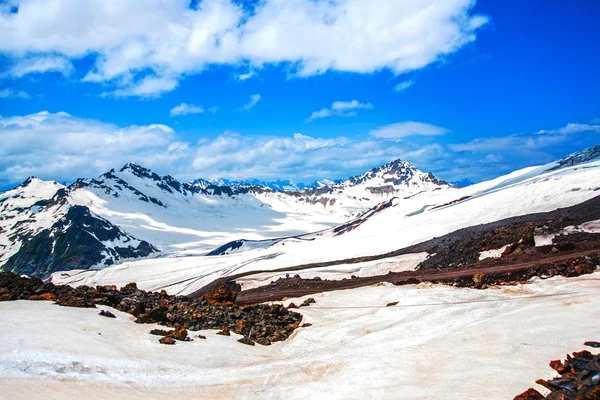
[
  {"x": 306, "y": 325},
  {"x": 201, "y": 337},
  {"x": 107, "y": 314},
  {"x": 263, "y": 341},
  {"x": 391, "y": 304},
  {"x": 530, "y": 394},
  {"x": 167, "y": 340},
  {"x": 308, "y": 302},
  {"x": 592, "y": 344},
  {"x": 246, "y": 340},
  {"x": 292, "y": 305},
  {"x": 159, "y": 332}
]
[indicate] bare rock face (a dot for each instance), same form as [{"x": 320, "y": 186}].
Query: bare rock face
[{"x": 530, "y": 394}]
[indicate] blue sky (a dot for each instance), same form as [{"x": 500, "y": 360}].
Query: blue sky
[{"x": 295, "y": 89}]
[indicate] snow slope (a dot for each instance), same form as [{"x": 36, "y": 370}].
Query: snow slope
[
  {"x": 439, "y": 342},
  {"x": 408, "y": 221}
]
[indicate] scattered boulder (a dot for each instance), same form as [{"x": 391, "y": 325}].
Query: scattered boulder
[
  {"x": 305, "y": 325},
  {"x": 292, "y": 305},
  {"x": 179, "y": 334},
  {"x": 159, "y": 332},
  {"x": 393, "y": 303},
  {"x": 107, "y": 314},
  {"x": 246, "y": 340},
  {"x": 167, "y": 340},
  {"x": 201, "y": 337},
  {"x": 308, "y": 302},
  {"x": 592, "y": 344}
]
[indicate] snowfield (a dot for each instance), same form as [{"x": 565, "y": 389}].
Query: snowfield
[
  {"x": 439, "y": 342},
  {"x": 408, "y": 221}
]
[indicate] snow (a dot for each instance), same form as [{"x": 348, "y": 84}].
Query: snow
[
  {"x": 439, "y": 342},
  {"x": 523, "y": 192},
  {"x": 494, "y": 253}
]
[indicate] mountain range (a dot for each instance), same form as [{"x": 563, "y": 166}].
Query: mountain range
[{"x": 135, "y": 213}]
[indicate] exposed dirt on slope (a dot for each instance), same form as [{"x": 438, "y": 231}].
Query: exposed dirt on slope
[{"x": 573, "y": 263}]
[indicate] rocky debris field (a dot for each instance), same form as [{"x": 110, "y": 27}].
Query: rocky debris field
[
  {"x": 570, "y": 264},
  {"x": 260, "y": 323},
  {"x": 578, "y": 378}
]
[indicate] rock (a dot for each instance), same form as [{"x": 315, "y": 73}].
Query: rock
[
  {"x": 179, "y": 334},
  {"x": 9, "y": 297},
  {"x": 201, "y": 337},
  {"x": 592, "y": 344},
  {"x": 222, "y": 294},
  {"x": 246, "y": 340},
  {"x": 167, "y": 340},
  {"x": 224, "y": 331},
  {"x": 263, "y": 341},
  {"x": 391, "y": 304},
  {"x": 44, "y": 296},
  {"x": 159, "y": 332},
  {"x": 107, "y": 314},
  {"x": 306, "y": 325},
  {"x": 308, "y": 302},
  {"x": 530, "y": 394},
  {"x": 292, "y": 305}
]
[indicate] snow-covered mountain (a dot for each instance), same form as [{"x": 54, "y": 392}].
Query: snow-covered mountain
[
  {"x": 280, "y": 185},
  {"x": 431, "y": 211},
  {"x": 133, "y": 212}
]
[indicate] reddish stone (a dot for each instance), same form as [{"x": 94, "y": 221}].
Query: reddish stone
[
  {"x": 530, "y": 394},
  {"x": 167, "y": 340},
  {"x": 9, "y": 297},
  {"x": 558, "y": 366},
  {"x": 179, "y": 334},
  {"x": 45, "y": 296}
]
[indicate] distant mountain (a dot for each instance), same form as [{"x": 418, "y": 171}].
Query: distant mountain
[
  {"x": 135, "y": 213},
  {"x": 280, "y": 185}
]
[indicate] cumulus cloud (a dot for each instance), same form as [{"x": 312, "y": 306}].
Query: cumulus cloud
[
  {"x": 146, "y": 48},
  {"x": 13, "y": 94},
  {"x": 254, "y": 99},
  {"x": 340, "y": 109},
  {"x": 186, "y": 109},
  {"x": 408, "y": 128},
  {"x": 402, "y": 86},
  {"x": 62, "y": 147}
]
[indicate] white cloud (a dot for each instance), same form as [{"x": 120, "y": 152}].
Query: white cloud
[
  {"x": 527, "y": 142},
  {"x": 14, "y": 94},
  {"x": 254, "y": 99},
  {"x": 63, "y": 147},
  {"x": 245, "y": 76},
  {"x": 185, "y": 109},
  {"x": 408, "y": 128},
  {"x": 402, "y": 86},
  {"x": 571, "y": 129},
  {"x": 41, "y": 64},
  {"x": 340, "y": 109},
  {"x": 167, "y": 40}
]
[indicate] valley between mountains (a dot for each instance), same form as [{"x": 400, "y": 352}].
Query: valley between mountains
[{"x": 403, "y": 279}]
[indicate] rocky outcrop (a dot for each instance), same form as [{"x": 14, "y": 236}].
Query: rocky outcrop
[
  {"x": 78, "y": 240},
  {"x": 578, "y": 379},
  {"x": 262, "y": 323}
]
